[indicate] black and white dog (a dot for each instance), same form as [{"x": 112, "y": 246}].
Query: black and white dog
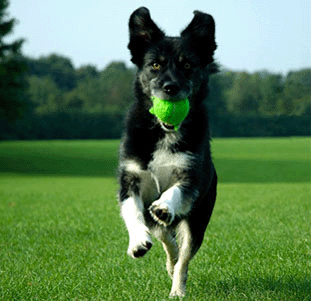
[{"x": 167, "y": 178}]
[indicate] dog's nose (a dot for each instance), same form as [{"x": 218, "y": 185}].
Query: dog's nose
[{"x": 171, "y": 88}]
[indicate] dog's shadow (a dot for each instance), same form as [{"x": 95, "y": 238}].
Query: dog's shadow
[{"x": 268, "y": 288}]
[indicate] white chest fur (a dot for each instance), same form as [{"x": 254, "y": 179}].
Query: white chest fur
[
  {"x": 161, "y": 171},
  {"x": 165, "y": 163}
]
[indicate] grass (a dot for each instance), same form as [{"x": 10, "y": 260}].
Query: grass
[{"x": 61, "y": 236}]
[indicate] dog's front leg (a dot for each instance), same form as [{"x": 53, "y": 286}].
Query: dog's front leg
[
  {"x": 169, "y": 205},
  {"x": 132, "y": 212}
]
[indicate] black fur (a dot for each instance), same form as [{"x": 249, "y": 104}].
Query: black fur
[{"x": 170, "y": 67}]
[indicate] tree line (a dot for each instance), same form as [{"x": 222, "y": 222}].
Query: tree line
[
  {"x": 54, "y": 85},
  {"x": 48, "y": 98},
  {"x": 65, "y": 102}
]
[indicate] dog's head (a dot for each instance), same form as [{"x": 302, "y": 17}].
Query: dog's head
[{"x": 171, "y": 67}]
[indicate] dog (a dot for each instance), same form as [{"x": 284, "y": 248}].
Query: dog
[{"x": 166, "y": 175}]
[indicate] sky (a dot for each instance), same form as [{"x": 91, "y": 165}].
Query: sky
[{"x": 252, "y": 35}]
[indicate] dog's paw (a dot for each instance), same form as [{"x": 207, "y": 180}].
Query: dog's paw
[
  {"x": 162, "y": 213},
  {"x": 177, "y": 293},
  {"x": 139, "y": 246}
]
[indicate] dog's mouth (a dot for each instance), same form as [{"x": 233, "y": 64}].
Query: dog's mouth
[{"x": 167, "y": 127}]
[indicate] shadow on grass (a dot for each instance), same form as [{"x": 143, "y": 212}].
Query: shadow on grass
[{"x": 266, "y": 288}]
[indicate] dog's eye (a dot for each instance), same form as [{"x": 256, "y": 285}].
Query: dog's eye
[
  {"x": 187, "y": 66},
  {"x": 156, "y": 66}
]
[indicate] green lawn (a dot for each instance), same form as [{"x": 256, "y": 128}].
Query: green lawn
[{"x": 61, "y": 236}]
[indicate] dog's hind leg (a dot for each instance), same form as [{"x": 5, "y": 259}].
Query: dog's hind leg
[
  {"x": 167, "y": 237},
  {"x": 184, "y": 256},
  {"x": 190, "y": 233},
  {"x": 171, "y": 250}
]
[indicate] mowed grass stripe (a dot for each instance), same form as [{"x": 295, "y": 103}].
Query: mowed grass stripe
[
  {"x": 263, "y": 160},
  {"x": 64, "y": 158}
]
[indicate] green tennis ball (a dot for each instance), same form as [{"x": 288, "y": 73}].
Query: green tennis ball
[{"x": 171, "y": 112}]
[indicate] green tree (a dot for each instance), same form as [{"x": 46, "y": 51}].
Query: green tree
[
  {"x": 87, "y": 96},
  {"x": 12, "y": 69},
  {"x": 244, "y": 96},
  {"x": 271, "y": 89},
  {"x": 45, "y": 95},
  {"x": 60, "y": 69},
  {"x": 297, "y": 92},
  {"x": 218, "y": 84},
  {"x": 109, "y": 91},
  {"x": 117, "y": 82},
  {"x": 86, "y": 72}
]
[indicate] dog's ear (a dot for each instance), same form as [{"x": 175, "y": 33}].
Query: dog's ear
[
  {"x": 200, "y": 35},
  {"x": 143, "y": 32}
]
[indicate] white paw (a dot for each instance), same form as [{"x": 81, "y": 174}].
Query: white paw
[
  {"x": 140, "y": 244},
  {"x": 177, "y": 293},
  {"x": 162, "y": 213}
]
